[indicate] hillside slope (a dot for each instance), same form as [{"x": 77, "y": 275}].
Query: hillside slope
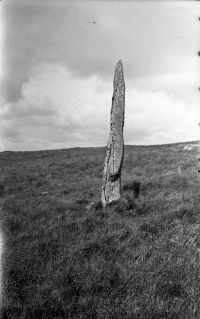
[{"x": 66, "y": 258}]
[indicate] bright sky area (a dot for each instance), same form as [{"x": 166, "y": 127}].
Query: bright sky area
[{"x": 57, "y": 72}]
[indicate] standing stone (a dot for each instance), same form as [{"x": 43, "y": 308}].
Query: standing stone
[{"x": 111, "y": 188}]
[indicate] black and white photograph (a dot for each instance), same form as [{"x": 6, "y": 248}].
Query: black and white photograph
[{"x": 99, "y": 159}]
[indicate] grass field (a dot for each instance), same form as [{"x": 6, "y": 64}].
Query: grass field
[{"x": 67, "y": 258}]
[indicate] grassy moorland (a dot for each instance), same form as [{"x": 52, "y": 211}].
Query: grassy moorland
[{"x": 67, "y": 258}]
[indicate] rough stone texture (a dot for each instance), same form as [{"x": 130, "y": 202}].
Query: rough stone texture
[{"x": 111, "y": 187}]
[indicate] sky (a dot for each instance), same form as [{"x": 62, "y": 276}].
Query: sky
[{"x": 57, "y": 71}]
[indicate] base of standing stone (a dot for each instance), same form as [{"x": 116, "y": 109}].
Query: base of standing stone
[{"x": 114, "y": 191}]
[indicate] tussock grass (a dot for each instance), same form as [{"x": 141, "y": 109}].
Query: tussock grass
[{"x": 66, "y": 257}]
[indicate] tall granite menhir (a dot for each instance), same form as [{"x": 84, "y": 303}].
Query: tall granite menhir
[{"x": 111, "y": 188}]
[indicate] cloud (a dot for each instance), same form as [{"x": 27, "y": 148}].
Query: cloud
[
  {"x": 149, "y": 37},
  {"x": 182, "y": 83},
  {"x": 58, "y": 70},
  {"x": 58, "y": 110},
  {"x": 156, "y": 118}
]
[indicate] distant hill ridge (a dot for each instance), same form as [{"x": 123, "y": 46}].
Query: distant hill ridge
[{"x": 100, "y": 147}]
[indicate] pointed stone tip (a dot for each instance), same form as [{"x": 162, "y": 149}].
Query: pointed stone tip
[
  {"x": 119, "y": 64},
  {"x": 118, "y": 69}
]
